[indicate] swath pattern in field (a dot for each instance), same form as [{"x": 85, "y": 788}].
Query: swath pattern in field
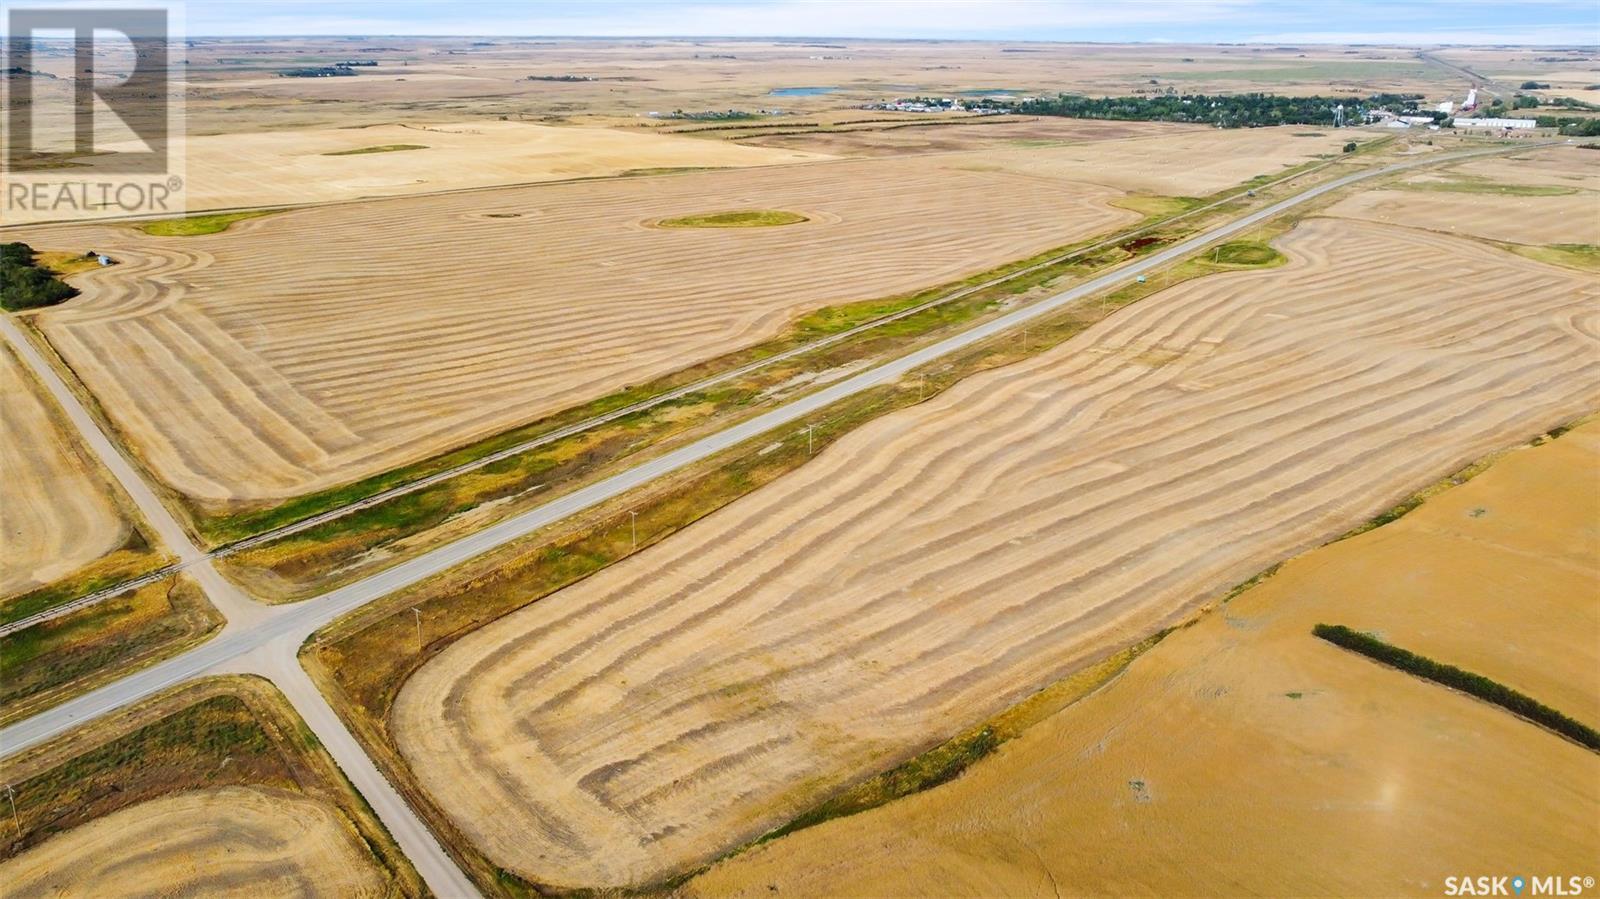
[
  {"x": 939, "y": 564},
  {"x": 54, "y": 515},
  {"x": 1572, "y": 218},
  {"x": 230, "y": 841},
  {"x": 314, "y": 347}
]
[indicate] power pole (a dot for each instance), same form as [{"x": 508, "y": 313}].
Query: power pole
[
  {"x": 14, "y": 819},
  {"x": 808, "y": 438},
  {"x": 418, "y": 613},
  {"x": 633, "y": 519}
]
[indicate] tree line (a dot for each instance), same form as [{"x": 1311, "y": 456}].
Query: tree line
[
  {"x": 1254, "y": 110},
  {"x": 24, "y": 284}
]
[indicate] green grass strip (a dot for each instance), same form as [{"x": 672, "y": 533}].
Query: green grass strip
[
  {"x": 195, "y": 225},
  {"x": 381, "y": 148},
  {"x": 1466, "y": 681},
  {"x": 747, "y": 218}
]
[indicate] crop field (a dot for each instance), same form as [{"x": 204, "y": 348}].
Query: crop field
[
  {"x": 316, "y": 165},
  {"x": 1243, "y": 750},
  {"x": 920, "y": 136},
  {"x": 1559, "y": 167},
  {"x": 231, "y": 841},
  {"x": 1188, "y": 163},
  {"x": 214, "y": 788},
  {"x": 918, "y": 577},
  {"x": 305, "y": 361},
  {"x": 1549, "y": 197},
  {"x": 55, "y": 503},
  {"x": 418, "y": 76},
  {"x": 1567, "y": 218}
]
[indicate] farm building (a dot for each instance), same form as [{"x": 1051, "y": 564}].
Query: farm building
[{"x": 1505, "y": 124}]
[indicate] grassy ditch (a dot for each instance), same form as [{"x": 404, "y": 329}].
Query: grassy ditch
[
  {"x": 195, "y": 225},
  {"x": 1467, "y": 184},
  {"x": 746, "y": 218},
  {"x": 352, "y": 545},
  {"x": 235, "y": 731},
  {"x": 362, "y": 661},
  {"x": 1490, "y": 691},
  {"x": 48, "y": 663}
]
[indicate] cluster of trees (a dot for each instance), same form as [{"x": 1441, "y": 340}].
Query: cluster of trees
[
  {"x": 1571, "y": 126},
  {"x": 1231, "y": 111},
  {"x": 319, "y": 72},
  {"x": 713, "y": 115},
  {"x": 1534, "y": 86},
  {"x": 24, "y": 285}
]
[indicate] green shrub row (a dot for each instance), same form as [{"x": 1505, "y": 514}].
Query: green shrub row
[{"x": 1465, "y": 681}]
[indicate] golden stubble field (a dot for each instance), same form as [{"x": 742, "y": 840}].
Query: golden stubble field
[
  {"x": 1186, "y": 163},
  {"x": 1245, "y": 756},
  {"x": 234, "y": 81},
  {"x": 923, "y": 574},
  {"x": 226, "y": 841},
  {"x": 914, "y": 134},
  {"x": 1472, "y": 208},
  {"x": 56, "y": 514},
  {"x": 313, "y": 347},
  {"x": 293, "y": 166}
]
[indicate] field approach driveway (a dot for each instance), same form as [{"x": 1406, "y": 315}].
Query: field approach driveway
[{"x": 264, "y": 640}]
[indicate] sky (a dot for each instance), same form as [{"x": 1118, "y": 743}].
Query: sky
[{"x": 1564, "y": 22}]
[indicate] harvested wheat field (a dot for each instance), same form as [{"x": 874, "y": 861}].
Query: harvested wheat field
[
  {"x": 229, "y": 841},
  {"x": 1301, "y": 769},
  {"x": 1445, "y": 202},
  {"x": 1556, "y": 167},
  {"x": 228, "y": 171},
  {"x": 924, "y": 572},
  {"x": 1186, "y": 163},
  {"x": 898, "y": 138},
  {"x": 313, "y": 347},
  {"x": 55, "y": 512},
  {"x": 1568, "y": 218}
]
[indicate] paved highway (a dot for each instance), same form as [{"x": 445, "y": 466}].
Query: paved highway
[{"x": 264, "y": 640}]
